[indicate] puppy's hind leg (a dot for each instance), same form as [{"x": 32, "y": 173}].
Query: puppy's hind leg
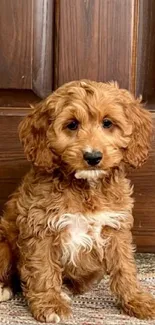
[{"x": 5, "y": 268}]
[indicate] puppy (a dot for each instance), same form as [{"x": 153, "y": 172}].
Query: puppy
[{"x": 70, "y": 220}]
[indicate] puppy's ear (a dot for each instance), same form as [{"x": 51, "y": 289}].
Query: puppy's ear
[
  {"x": 33, "y": 136},
  {"x": 137, "y": 150}
]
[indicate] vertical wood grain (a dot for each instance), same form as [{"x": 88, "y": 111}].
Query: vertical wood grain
[
  {"x": 15, "y": 43},
  {"x": 13, "y": 164},
  {"x": 145, "y": 74},
  {"x": 43, "y": 33},
  {"x": 26, "y": 46},
  {"x": 94, "y": 40}
]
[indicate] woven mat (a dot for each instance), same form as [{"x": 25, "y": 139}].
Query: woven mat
[{"x": 94, "y": 308}]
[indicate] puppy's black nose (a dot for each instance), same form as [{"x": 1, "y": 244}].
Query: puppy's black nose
[{"x": 92, "y": 158}]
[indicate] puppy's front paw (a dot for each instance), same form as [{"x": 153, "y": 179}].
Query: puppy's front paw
[
  {"x": 53, "y": 313},
  {"x": 5, "y": 293},
  {"x": 141, "y": 306},
  {"x": 52, "y": 318}
]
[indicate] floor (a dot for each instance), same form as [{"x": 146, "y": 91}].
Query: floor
[{"x": 94, "y": 308}]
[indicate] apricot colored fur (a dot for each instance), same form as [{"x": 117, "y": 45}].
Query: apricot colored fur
[{"x": 37, "y": 229}]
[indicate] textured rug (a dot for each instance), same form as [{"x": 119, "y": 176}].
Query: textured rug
[{"x": 94, "y": 308}]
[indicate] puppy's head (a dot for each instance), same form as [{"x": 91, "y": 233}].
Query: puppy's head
[{"x": 89, "y": 128}]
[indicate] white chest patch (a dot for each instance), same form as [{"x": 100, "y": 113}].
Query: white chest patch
[{"x": 81, "y": 233}]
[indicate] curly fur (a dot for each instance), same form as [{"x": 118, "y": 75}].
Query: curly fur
[{"x": 69, "y": 223}]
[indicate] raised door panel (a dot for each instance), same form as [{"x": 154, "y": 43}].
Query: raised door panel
[
  {"x": 144, "y": 210},
  {"x": 94, "y": 40},
  {"x": 145, "y": 57},
  {"x": 26, "y": 56},
  {"x": 13, "y": 164}
]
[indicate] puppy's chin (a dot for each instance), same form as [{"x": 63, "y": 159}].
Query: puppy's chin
[{"x": 89, "y": 174}]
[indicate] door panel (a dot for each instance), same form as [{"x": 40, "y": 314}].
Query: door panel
[
  {"x": 26, "y": 38},
  {"x": 13, "y": 164},
  {"x": 15, "y": 40},
  {"x": 145, "y": 71},
  {"x": 94, "y": 40},
  {"x": 144, "y": 194}
]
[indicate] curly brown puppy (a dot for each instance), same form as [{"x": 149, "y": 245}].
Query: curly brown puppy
[{"x": 70, "y": 220}]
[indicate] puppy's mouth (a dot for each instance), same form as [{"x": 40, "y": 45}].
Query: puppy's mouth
[{"x": 92, "y": 174}]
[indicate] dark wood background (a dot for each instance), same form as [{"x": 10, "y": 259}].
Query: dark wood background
[{"x": 45, "y": 43}]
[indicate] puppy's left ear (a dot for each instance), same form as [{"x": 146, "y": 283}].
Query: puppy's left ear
[{"x": 137, "y": 150}]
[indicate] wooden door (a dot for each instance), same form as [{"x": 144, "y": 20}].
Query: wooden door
[{"x": 47, "y": 43}]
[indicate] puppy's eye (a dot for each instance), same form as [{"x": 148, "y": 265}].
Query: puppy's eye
[
  {"x": 107, "y": 124},
  {"x": 73, "y": 125}
]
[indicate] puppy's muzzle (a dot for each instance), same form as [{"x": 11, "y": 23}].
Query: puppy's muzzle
[{"x": 92, "y": 158}]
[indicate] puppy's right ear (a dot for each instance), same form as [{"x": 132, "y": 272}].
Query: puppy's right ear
[{"x": 32, "y": 134}]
